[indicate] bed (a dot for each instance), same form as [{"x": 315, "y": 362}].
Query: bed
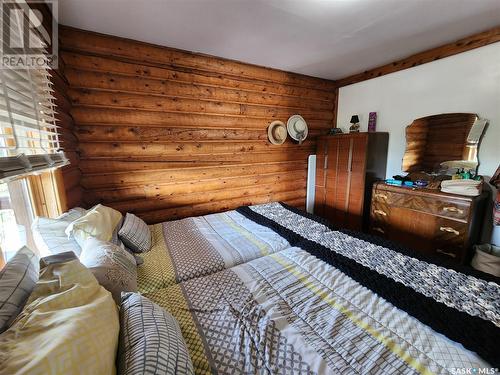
[
  {"x": 198, "y": 246},
  {"x": 317, "y": 300}
]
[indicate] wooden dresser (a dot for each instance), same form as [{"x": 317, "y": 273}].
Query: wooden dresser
[
  {"x": 346, "y": 167},
  {"x": 426, "y": 220}
]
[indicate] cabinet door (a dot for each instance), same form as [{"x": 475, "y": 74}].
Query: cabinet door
[
  {"x": 343, "y": 178},
  {"x": 331, "y": 179},
  {"x": 356, "y": 183},
  {"x": 344, "y": 181},
  {"x": 320, "y": 183}
]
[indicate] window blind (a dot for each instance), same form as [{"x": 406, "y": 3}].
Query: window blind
[{"x": 29, "y": 136}]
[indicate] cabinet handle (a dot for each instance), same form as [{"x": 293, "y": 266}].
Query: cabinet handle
[
  {"x": 378, "y": 195},
  {"x": 453, "y": 209},
  {"x": 380, "y": 212},
  {"x": 446, "y": 253},
  {"x": 377, "y": 229},
  {"x": 450, "y": 230}
]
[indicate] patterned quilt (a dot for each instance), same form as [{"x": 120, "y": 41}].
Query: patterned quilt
[
  {"x": 336, "y": 302},
  {"x": 291, "y": 313},
  {"x": 199, "y": 246}
]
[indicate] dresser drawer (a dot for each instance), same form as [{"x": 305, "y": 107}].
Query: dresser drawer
[
  {"x": 388, "y": 197},
  {"x": 453, "y": 209},
  {"x": 450, "y": 252},
  {"x": 450, "y": 231},
  {"x": 450, "y": 239}
]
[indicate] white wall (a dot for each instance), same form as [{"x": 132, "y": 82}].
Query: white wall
[{"x": 467, "y": 82}]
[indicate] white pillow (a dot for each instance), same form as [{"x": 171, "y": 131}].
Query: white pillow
[
  {"x": 114, "y": 267},
  {"x": 73, "y": 214},
  {"x": 49, "y": 234},
  {"x": 99, "y": 222}
]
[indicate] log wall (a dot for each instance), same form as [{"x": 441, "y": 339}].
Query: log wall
[
  {"x": 71, "y": 174},
  {"x": 165, "y": 133}
]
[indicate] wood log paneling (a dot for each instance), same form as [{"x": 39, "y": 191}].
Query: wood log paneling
[
  {"x": 131, "y": 177},
  {"x": 148, "y": 54},
  {"x": 166, "y": 133},
  {"x": 209, "y": 79},
  {"x": 69, "y": 142}
]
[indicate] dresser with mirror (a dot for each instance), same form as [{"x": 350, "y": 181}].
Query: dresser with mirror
[{"x": 427, "y": 219}]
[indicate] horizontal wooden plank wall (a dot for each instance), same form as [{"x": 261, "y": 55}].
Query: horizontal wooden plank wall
[
  {"x": 71, "y": 175},
  {"x": 166, "y": 134}
]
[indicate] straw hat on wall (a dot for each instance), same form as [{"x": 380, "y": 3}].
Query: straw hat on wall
[
  {"x": 276, "y": 132},
  {"x": 297, "y": 128}
]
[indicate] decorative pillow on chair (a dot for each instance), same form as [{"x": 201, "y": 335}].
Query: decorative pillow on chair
[
  {"x": 151, "y": 341},
  {"x": 135, "y": 234},
  {"x": 99, "y": 222},
  {"x": 68, "y": 326},
  {"x": 17, "y": 280},
  {"x": 114, "y": 267}
]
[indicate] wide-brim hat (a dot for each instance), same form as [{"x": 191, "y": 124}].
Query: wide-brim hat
[
  {"x": 297, "y": 128},
  {"x": 276, "y": 132}
]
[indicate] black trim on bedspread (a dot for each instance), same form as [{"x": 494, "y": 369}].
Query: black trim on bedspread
[
  {"x": 472, "y": 332},
  {"x": 467, "y": 270}
]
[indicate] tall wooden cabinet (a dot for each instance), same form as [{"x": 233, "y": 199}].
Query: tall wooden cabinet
[{"x": 346, "y": 167}]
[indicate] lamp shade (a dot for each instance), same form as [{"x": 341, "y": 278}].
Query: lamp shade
[{"x": 354, "y": 119}]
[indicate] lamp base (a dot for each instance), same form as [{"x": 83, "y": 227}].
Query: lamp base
[{"x": 354, "y": 128}]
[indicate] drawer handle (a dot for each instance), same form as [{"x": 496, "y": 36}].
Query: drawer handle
[
  {"x": 450, "y": 230},
  {"x": 377, "y": 229},
  {"x": 453, "y": 209},
  {"x": 380, "y": 212},
  {"x": 378, "y": 195},
  {"x": 446, "y": 253}
]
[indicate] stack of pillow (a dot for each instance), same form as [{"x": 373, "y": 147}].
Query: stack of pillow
[
  {"x": 61, "y": 307},
  {"x": 61, "y": 321},
  {"x": 105, "y": 242}
]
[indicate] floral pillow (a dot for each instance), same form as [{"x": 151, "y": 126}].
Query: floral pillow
[{"x": 114, "y": 267}]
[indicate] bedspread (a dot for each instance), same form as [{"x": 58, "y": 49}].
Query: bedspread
[
  {"x": 291, "y": 313},
  {"x": 461, "y": 303},
  {"x": 199, "y": 246}
]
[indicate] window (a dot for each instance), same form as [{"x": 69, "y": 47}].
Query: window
[
  {"x": 16, "y": 216},
  {"x": 29, "y": 138},
  {"x": 21, "y": 201}
]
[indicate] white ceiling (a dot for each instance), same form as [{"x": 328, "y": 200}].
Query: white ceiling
[{"x": 322, "y": 38}]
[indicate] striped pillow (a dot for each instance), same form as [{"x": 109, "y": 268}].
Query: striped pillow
[
  {"x": 151, "y": 341},
  {"x": 17, "y": 280},
  {"x": 135, "y": 234}
]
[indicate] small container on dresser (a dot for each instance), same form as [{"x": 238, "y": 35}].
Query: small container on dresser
[{"x": 428, "y": 221}]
